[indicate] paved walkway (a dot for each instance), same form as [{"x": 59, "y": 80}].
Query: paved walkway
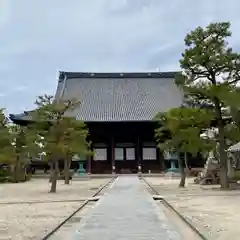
[{"x": 126, "y": 212}]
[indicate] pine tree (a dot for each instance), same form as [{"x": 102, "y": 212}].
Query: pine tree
[
  {"x": 24, "y": 143},
  {"x": 62, "y": 136},
  {"x": 74, "y": 143},
  {"x": 6, "y": 148},
  {"x": 179, "y": 131},
  {"x": 211, "y": 71},
  {"x": 17, "y": 145}
]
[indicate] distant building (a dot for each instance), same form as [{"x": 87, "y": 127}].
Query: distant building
[{"x": 118, "y": 109}]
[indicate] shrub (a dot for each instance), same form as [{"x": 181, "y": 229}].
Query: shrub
[{"x": 4, "y": 174}]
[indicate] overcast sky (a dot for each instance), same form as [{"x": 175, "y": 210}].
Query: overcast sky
[{"x": 40, "y": 37}]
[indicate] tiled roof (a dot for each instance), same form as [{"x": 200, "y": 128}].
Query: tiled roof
[
  {"x": 118, "y": 96},
  {"x": 25, "y": 116},
  {"x": 117, "y": 75}
]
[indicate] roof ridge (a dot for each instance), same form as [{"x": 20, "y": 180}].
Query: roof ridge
[{"x": 146, "y": 74}]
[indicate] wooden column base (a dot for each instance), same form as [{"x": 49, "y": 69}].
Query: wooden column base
[
  {"x": 139, "y": 168},
  {"x": 113, "y": 169}
]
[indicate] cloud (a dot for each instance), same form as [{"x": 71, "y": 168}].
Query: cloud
[
  {"x": 41, "y": 37},
  {"x": 15, "y": 90},
  {"x": 4, "y": 13},
  {"x": 20, "y": 89},
  {"x": 2, "y": 94}
]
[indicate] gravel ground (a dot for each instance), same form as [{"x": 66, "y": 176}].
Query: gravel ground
[
  {"x": 68, "y": 230},
  {"x": 214, "y": 212},
  {"x": 28, "y": 211}
]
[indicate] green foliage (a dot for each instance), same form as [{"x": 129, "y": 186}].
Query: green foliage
[
  {"x": 4, "y": 174},
  {"x": 232, "y": 133},
  {"x": 17, "y": 145},
  {"x": 211, "y": 69},
  {"x": 74, "y": 140},
  {"x": 184, "y": 126},
  {"x": 24, "y": 140},
  {"x": 7, "y": 153},
  {"x": 61, "y": 135}
]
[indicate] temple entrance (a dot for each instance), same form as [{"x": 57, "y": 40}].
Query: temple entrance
[{"x": 125, "y": 158}]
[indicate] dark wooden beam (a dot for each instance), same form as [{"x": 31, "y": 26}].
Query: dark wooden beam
[
  {"x": 138, "y": 157},
  {"x": 113, "y": 154}
]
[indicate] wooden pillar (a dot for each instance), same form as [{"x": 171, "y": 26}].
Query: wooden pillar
[
  {"x": 89, "y": 165},
  {"x": 113, "y": 154},
  {"x": 139, "y": 159},
  {"x": 89, "y": 158}
]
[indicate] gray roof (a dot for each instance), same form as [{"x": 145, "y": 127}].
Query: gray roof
[
  {"x": 119, "y": 96},
  {"x": 116, "y": 97},
  {"x": 68, "y": 75},
  {"x": 235, "y": 148}
]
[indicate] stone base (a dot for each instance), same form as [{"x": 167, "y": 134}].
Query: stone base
[
  {"x": 175, "y": 170},
  {"x": 172, "y": 175},
  {"x": 209, "y": 181},
  {"x": 234, "y": 184}
]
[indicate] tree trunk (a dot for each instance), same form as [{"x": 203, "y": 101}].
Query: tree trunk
[
  {"x": 15, "y": 173},
  {"x": 54, "y": 177},
  {"x": 231, "y": 169},
  {"x": 67, "y": 163},
  {"x": 186, "y": 164},
  {"x": 223, "y": 159},
  {"x": 222, "y": 146},
  {"x": 186, "y": 160},
  {"x": 51, "y": 171},
  {"x": 182, "y": 172},
  {"x": 162, "y": 163}
]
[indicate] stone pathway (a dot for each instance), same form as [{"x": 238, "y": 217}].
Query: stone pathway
[{"x": 126, "y": 212}]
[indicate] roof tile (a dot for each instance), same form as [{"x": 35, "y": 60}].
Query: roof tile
[
  {"x": 120, "y": 99},
  {"x": 117, "y": 96}
]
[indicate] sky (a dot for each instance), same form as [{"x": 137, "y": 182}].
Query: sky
[{"x": 39, "y": 38}]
